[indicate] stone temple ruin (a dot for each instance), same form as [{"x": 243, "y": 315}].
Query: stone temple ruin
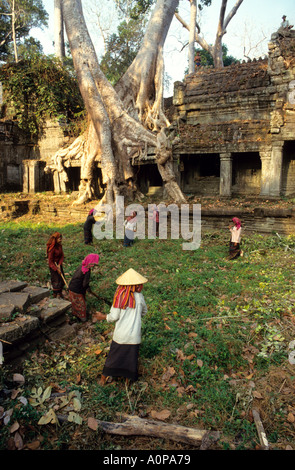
[{"x": 234, "y": 128}]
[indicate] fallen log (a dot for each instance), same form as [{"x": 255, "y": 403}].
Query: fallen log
[{"x": 135, "y": 426}]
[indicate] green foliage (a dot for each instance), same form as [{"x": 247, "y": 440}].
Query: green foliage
[
  {"x": 39, "y": 88},
  {"x": 28, "y": 14},
  {"x": 207, "y": 59},
  {"x": 122, "y": 48}
]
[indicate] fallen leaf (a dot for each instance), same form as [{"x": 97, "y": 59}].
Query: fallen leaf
[
  {"x": 33, "y": 445},
  {"x": 18, "y": 441},
  {"x": 7, "y": 416},
  {"x": 18, "y": 378},
  {"x": 168, "y": 374},
  {"x": 291, "y": 418},
  {"x": 93, "y": 424},
  {"x": 14, "y": 393},
  {"x": 160, "y": 415},
  {"x": 192, "y": 335},
  {"x": 23, "y": 400},
  {"x": 74, "y": 418},
  {"x": 49, "y": 417},
  {"x": 14, "y": 427},
  {"x": 257, "y": 395}
]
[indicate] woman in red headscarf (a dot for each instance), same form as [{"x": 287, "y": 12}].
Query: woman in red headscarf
[
  {"x": 55, "y": 258},
  {"x": 234, "y": 245},
  {"x": 79, "y": 285}
]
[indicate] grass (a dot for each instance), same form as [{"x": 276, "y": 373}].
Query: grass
[{"x": 214, "y": 341}]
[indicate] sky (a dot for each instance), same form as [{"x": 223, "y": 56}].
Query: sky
[{"x": 248, "y": 32}]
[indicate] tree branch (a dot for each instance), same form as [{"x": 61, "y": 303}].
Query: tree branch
[
  {"x": 232, "y": 13},
  {"x": 201, "y": 41}
]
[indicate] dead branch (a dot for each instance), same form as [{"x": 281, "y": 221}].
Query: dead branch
[
  {"x": 135, "y": 426},
  {"x": 260, "y": 429}
]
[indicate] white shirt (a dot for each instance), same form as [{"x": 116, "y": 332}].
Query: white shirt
[
  {"x": 285, "y": 24},
  {"x": 236, "y": 234},
  {"x": 130, "y": 227},
  {"x": 128, "y": 321}
]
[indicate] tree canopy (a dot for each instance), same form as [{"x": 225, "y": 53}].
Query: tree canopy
[
  {"x": 41, "y": 87},
  {"x": 17, "y": 18}
]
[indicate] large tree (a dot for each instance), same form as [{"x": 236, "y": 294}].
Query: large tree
[{"x": 123, "y": 121}]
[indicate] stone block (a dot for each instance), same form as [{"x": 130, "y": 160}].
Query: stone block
[
  {"x": 6, "y": 310},
  {"x": 17, "y": 329},
  {"x": 54, "y": 308},
  {"x": 12, "y": 286},
  {"x": 65, "y": 331},
  {"x": 36, "y": 293},
  {"x": 20, "y": 300}
]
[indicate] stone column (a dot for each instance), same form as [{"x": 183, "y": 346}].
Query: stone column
[
  {"x": 225, "y": 174},
  {"x": 31, "y": 181},
  {"x": 26, "y": 182},
  {"x": 265, "y": 157},
  {"x": 276, "y": 165},
  {"x": 56, "y": 182}
]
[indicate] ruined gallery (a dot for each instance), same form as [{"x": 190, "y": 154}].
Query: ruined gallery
[{"x": 233, "y": 134}]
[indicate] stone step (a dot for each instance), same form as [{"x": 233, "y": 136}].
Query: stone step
[
  {"x": 36, "y": 293},
  {"x": 65, "y": 331},
  {"x": 19, "y": 300},
  {"x": 53, "y": 308},
  {"x": 52, "y": 312},
  {"x": 19, "y": 297},
  {"x": 38, "y": 318},
  {"x": 17, "y": 329},
  {"x": 12, "y": 286}
]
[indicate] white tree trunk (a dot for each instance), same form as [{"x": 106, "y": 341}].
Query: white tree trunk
[
  {"x": 13, "y": 20},
  {"x": 59, "y": 41},
  {"x": 192, "y": 35}
]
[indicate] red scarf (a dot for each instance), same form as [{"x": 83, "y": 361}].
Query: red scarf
[
  {"x": 237, "y": 222},
  {"x": 52, "y": 242},
  {"x": 124, "y": 297}
]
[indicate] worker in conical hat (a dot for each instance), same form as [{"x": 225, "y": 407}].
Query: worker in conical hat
[{"x": 127, "y": 310}]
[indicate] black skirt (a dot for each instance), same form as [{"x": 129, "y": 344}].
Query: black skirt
[
  {"x": 122, "y": 361},
  {"x": 57, "y": 280},
  {"x": 234, "y": 250}
]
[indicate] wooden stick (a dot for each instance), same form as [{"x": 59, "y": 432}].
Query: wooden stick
[
  {"x": 100, "y": 298},
  {"x": 3, "y": 341},
  {"x": 62, "y": 276},
  {"x": 260, "y": 429}
]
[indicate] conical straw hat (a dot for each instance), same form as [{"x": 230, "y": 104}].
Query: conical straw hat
[{"x": 131, "y": 278}]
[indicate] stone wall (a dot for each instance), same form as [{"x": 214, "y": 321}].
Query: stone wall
[
  {"x": 245, "y": 113},
  {"x": 22, "y": 162}
]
